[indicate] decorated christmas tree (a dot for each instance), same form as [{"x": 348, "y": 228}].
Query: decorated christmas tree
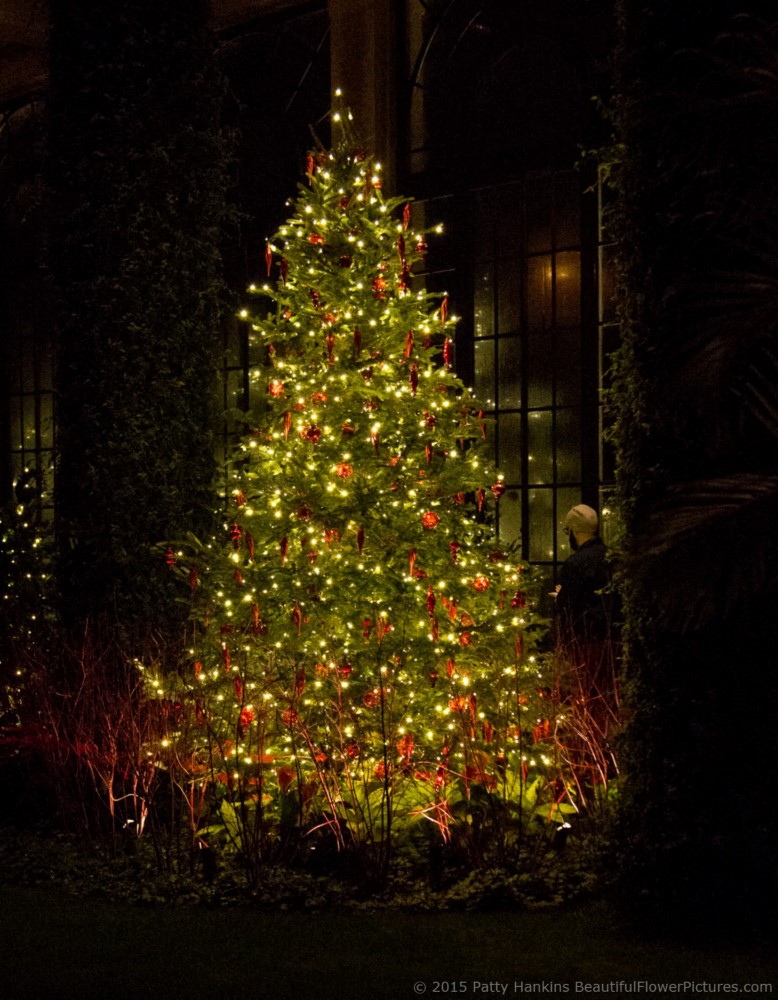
[{"x": 363, "y": 648}]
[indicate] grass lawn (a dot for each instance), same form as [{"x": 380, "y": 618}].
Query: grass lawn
[{"x": 60, "y": 947}]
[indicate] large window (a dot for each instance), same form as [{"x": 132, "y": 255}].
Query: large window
[
  {"x": 498, "y": 101},
  {"x": 26, "y": 343},
  {"x": 30, "y": 396},
  {"x": 527, "y": 350}
]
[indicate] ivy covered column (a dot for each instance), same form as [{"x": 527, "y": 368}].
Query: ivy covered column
[
  {"x": 696, "y": 414},
  {"x": 137, "y": 172}
]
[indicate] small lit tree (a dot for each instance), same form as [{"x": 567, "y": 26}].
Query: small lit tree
[{"x": 363, "y": 649}]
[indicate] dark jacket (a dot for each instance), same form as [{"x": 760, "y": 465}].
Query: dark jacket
[{"x": 583, "y": 609}]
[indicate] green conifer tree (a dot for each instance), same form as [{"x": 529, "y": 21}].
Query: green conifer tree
[{"x": 361, "y": 640}]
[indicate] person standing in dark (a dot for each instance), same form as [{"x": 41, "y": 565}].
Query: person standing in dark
[{"x": 582, "y": 593}]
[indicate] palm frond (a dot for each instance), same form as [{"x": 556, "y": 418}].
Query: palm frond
[{"x": 711, "y": 547}]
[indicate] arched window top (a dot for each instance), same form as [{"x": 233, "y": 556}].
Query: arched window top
[{"x": 511, "y": 78}]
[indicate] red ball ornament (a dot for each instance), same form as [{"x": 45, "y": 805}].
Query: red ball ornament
[
  {"x": 347, "y": 429},
  {"x": 319, "y": 397},
  {"x": 430, "y": 520},
  {"x": 289, "y": 716},
  {"x": 343, "y": 470},
  {"x": 245, "y": 719},
  {"x": 371, "y": 699},
  {"x": 311, "y": 433},
  {"x": 276, "y": 388},
  {"x": 480, "y": 583},
  {"x": 498, "y": 489}
]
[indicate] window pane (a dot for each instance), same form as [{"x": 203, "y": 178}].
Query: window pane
[
  {"x": 568, "y": 367},
  {"x": 47, "y": 479},
  {"x": 539, "y": 293},
  {"x": 484, "y": 370},
  {"x": 483, "y": 301},
  {"x": 568, "y": 446},
  {"x": 15, "y": 415},
  {"x": 540, "y": 453},
  {"x": 509, "y": 512},
  {"x": 490, "y": 433},
  {"x": 541, "y": 533},
  {"x": 28, "y": 442},
  {"x": 509, "y": 372},
  {"x": 568, "y": 289},
  {"x": 509, "y": 296},
  {"x": 509, "y": 440},
  {"x": 47, "y": 423},
  {"x": 539, "y": 374}
]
